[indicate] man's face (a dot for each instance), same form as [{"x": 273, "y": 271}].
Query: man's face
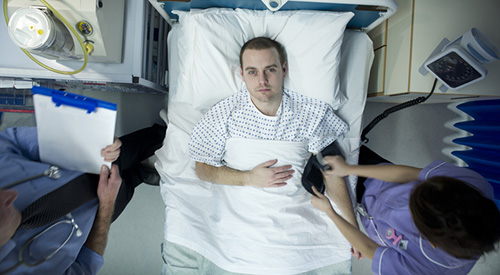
[
  {"x": 10, "y": 218},
  {"x": 263, "y": 75}
]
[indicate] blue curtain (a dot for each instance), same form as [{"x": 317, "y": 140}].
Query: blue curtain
[{"x": 484, "y": 157}]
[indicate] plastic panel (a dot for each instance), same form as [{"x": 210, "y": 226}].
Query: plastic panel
[{"x": 483, "y": 157}]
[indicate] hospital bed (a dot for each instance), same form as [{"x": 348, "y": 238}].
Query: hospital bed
[{"x": 329, "y": 58}]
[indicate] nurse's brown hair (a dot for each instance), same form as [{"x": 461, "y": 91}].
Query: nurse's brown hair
[{"x": 455, "y": 217}]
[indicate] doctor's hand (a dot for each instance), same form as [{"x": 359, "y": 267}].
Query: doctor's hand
[
  {"x": 338, "y": 166},
  {"x": 112, "y": 152},
  {"x": 107, "y": 190},
  {"x": 263, "y": 175},
  {"x": 109, "y": 185}
]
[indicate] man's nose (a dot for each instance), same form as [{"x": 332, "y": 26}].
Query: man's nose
[{"x": 262, "y": 78}]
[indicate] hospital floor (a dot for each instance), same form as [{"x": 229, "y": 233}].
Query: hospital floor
[{"x": 415, "y": 136}]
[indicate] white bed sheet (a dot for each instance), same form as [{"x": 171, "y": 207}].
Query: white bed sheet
[{"x": 176, "y": 169}]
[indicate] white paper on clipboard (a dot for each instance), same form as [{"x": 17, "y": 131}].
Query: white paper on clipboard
[{"x": 72, "y": 129}]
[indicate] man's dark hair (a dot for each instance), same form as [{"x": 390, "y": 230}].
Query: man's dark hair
[
  {"x": 261, "y": 43},
  {"x": 455, "y": 217}
]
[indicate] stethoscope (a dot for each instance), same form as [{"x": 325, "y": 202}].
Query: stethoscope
[
  {"x": 21, "y": 261},
  {"x": 53, "y": 172}
]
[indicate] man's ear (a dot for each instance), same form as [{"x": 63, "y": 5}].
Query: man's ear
[
  {"x": 241, "y": 71},
  {"x": 285, "y": 69}
]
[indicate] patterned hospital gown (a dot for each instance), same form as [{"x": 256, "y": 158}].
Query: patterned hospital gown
[{"x": 299, "y": 119}]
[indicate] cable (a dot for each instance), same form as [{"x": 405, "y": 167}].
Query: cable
[
  {"x": 393, "y": 109},
  {"x": 87, "y": 47}
]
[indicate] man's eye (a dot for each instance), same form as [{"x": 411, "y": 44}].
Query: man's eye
[
  {"x": 272, "y": 70},
  {"x": 251, "y": 72}
]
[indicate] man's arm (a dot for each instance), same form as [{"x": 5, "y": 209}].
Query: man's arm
[
  {"x": 262, "y": 175},
  {"x": 107, "y": 191},
  {"x": 389, "y": 173}
]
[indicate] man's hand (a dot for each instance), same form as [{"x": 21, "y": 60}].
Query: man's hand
[
  {"x": 338, "y": 165},
  {"x": 263, "y": 175},
  {"x": 112, "y": 152}
]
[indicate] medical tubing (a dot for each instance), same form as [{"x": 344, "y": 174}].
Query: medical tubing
[
  {"x": 393, "y": 109},
  {"x": 66, "y": 23}
]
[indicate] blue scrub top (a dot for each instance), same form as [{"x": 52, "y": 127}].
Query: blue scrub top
[{"x": 19, "y": 159}]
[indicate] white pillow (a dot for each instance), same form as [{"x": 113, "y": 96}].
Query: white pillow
[{"x": 211, "y": 40}]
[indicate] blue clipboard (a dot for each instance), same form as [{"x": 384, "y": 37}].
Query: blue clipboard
[{"x": 72, "y": 129}]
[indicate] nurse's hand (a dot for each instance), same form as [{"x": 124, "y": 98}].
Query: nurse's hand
[
  {"x": 338, "y": 166},
  {"x": 356, "y": 254},
  {"x": 321, "y": 202},
  {"x": 112, "y": 152}
]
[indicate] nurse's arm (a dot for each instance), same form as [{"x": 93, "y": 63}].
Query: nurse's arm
[
  {"x": 385, "y": 172},
  {"x": 337, "y": 190},
  {"x": 355, "y": 237}
]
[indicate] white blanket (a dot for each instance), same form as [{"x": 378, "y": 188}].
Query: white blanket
[
  {"x": 186, "y": 196},
  {"x": 253, "y": 230}
]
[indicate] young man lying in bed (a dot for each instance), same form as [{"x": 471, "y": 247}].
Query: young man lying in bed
[{"x": 267, "y": 205}]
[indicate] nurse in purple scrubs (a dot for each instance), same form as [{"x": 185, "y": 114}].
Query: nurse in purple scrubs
[{"x": 435, "y": 220}]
